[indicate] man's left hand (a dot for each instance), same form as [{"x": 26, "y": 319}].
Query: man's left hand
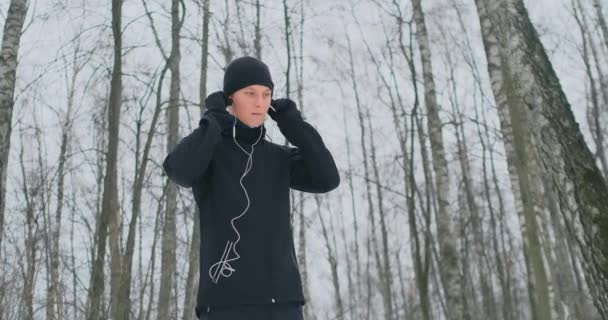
[{"x": 281, "y": 107}]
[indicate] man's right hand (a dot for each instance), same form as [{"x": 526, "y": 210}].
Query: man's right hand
[{"x": 216, "y": 102}]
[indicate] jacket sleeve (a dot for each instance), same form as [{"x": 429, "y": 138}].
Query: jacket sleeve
[
  {"x": 312, "y": 167},
  {"x": 189, "y": 159}
]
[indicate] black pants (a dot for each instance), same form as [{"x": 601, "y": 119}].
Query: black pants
[{"x": 275, "y": 311}]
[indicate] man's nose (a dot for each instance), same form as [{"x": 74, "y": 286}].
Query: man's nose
[{"x": 259, "y": 101}]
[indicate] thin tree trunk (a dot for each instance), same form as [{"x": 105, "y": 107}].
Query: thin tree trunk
[
  {"x": 421, "y": 265},
  {"x": 370, "y": 207},
  {"x": 240, "y": 41},
  {"x": 257, "y": 42},
  {"x": 332, "y": 259},
  {"x": 202, "y": 89},
  {"x": 599, "y": 11},
  {"x": 110, "y": 212},
  {"x": 72, "y": 257},
  {"x": 353, "y": 82},
  {"x": 419, "y": 247},
  {"x": 302, "y": 236},
  {"x": 169, "y": 241},
  {"x": 449, "y": 267},
  {"x": 384, "y": 263},
  {"x": 497, "y": 249},
  {"x": 405, "y": 307},
  {"x": 111, "y": 201},
  {"x": 288, "y": 48},
  {"x": 226, "y": 47},
  {"x": 152, "y": 262},
  {"x": 195, "y": 243},
  {"x": 54, "y": 294},
  {"x": 487, "y": 295},
  {"x": 138, "y": 188},
  {"x": 30, "y": 190},
  {"x": 351, "y": 293}
]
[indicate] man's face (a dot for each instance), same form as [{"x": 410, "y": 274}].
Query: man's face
[{"x": 251, "y": 104}]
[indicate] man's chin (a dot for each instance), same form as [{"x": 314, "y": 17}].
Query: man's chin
[{"x": 253, "y": 125}]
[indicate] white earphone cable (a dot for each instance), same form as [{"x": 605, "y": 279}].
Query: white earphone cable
[{"x": 218, "y": 268}]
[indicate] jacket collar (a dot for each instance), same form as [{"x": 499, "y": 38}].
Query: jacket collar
[{"x": 244, "y": 132}]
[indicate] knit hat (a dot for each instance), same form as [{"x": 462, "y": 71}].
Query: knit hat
[{"x": 245, "y": 71}]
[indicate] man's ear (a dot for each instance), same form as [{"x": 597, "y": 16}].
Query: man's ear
[{"x": 230, "y": 100}]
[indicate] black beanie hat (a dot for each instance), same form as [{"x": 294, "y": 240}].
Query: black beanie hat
[{"x": 245, "y": 71}]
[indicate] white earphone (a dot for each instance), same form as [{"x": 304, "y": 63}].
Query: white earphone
[{"x": 218, "y": 268}]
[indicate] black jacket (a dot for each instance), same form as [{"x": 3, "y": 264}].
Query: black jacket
[{"x": 210, "y": 162}]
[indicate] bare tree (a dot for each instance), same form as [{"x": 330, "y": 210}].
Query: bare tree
[
  {"x": 420, "y": 232},
  {"x": 202, "y": 90},
  {"x": 193, "y": 256},
  {"x": 332, "y": 258},
  {"x": 298, "y": 198},
  {"x": 257, "y": 42},
  {"x": 32, "y": 188},
  {"x": 449, "y": 256},
  {"x": 288, "y": 49},
  {"x": 55, "y": 306},
  {"x": 168, "y": 254},
  {"x": 224, "y": 42},
  {"x": 110, "y": 212}
]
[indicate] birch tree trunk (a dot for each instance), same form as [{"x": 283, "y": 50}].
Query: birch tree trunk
[
  {"x": 516, "y": 134},
  {"x": 8, "y": 69},
  {"x": 524, "y": 82},
  {"x": 449, "y": 268}
]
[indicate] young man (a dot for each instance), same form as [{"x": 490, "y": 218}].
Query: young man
[{"x": 241, "y": 182}]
